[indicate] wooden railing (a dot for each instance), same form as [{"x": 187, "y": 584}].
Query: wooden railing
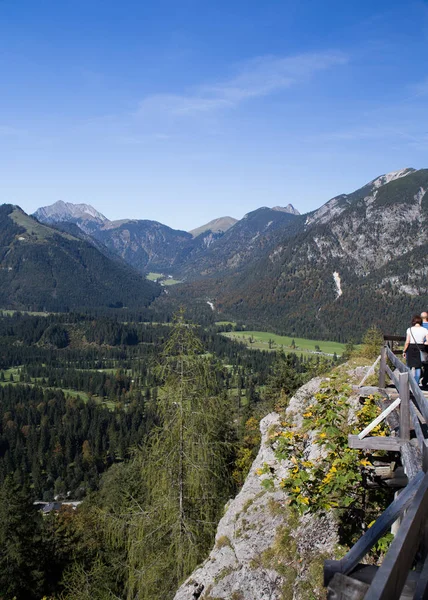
[{"x": 397, "y": 576}]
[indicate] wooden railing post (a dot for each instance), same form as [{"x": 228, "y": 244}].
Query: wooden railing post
[
  {"x": 425, "y": 457},
  {"x": 382, "y": 367},
  {"x": 404, "y": 393}
]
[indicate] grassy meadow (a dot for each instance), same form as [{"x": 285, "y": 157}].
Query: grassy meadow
[
  {"x": 162, "y": 279},
  {"x": 264, "y": 340}
]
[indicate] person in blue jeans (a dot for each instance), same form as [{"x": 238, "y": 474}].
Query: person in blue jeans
[{"x": 416, "y": 340}]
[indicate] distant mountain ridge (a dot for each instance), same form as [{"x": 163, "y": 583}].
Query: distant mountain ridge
[
  {"x": 287, "y": 209},
  {"x": 359, "y": 259},
  {"x": 219, "y": 225},
  {"x": 241, "y": 244},
  {"x": 151, "y": 246},
  {"x": 42, "y": 268}
]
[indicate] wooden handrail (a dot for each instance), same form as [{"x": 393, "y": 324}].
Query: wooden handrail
[
  {"x": 392, "y": 376},
  {"x": 394, "y": 338},
  {"x": 391, "y": 577},
  {"x": 372, "y": 535},
  {"x": 421, "y": 401}
]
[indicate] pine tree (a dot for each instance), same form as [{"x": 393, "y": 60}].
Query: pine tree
[
  {"x": 20, "y": 544},
  {"x": 185, "y": 471}
]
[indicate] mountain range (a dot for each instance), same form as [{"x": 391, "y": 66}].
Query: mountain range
[
  {"x": 357, "y": 260},
  {"x": 151, "y": 246}
]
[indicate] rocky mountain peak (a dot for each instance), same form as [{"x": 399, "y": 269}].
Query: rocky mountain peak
[
  {"x": 388, "y": 177},
  {"x": 287, "y": 209},
  {"x": 67, "y": 211}
]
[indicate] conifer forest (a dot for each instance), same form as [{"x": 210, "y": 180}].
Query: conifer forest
[{"x": 148, "y": 428}]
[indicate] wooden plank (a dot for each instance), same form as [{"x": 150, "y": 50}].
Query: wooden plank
[
  {"x": 372, "y": 535},
  {"x": 396, "y": 361},
  {"x": 416, "y": 425},
  {"x": 370, "y": 390},
  {"x": 342, "y": 587},
  {"x": 425, "y": 456},
  {"x": 380, "y": 418},
  {"x": 382, "y": 367},
  {"x": 394, "y": 338},
  {"x": 366, "y": 574},
  {"x": 404, "y": 406},
  {"x": 384, "y": 471},
  {"x": 391, "y": 577},
  {"x": 375, "y": 443},
  {"x": 411, "y": 458},
  {"x": 392, "y": 420},
  {"x": 423, "y": 550},
  {"x": 392, "y": 376},
  {"x": 421, "y": 592},
  {"x": 372, "y": 370},
  {"x": 421, "y": 401},
  {"x": 389, "y": 474},
  {"x": 419, "y": 414}
]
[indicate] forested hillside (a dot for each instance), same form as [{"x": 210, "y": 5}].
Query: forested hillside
[
  {"x": 361, "y": 256},
  {"x": 44, "y": 269},
  {"x": 97, "y": 409}
]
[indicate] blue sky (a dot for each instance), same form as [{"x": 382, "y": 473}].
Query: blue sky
[{"x": 184, "y": 111}]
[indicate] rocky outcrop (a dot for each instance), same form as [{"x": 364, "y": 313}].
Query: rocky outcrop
[{"x": 263, "y": 551}]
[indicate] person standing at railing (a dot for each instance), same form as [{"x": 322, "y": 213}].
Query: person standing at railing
[
  {"x": 415, "y": 347},
  {"x": 424, "y": 378}
]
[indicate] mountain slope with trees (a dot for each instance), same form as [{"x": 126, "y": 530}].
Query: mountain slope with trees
[
  {"x": 44, "y": 269},
  {"x": 363, "y": 256},
  {"x": 361, "y": 253}
]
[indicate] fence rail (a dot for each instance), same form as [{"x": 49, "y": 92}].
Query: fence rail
[{"x": 396, "y": 578}]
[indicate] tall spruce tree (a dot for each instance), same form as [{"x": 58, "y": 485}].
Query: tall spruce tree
[
  {"x": 185, "y": 470},
  {"x": 21, "y": 574}
]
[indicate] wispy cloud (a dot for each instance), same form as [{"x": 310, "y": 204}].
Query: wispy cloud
[{"x": 255, "y": 78}]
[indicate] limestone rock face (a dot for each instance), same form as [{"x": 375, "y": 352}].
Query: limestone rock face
[{"x": 262, "y": 551}]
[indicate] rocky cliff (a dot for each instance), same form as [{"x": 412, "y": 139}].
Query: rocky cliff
[{"x": 264, "y": 550}]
